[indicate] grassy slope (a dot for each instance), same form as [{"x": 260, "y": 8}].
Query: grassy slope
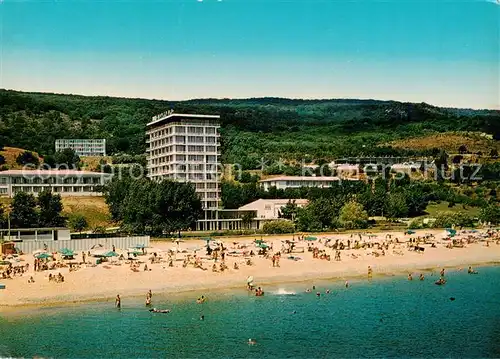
[
  {"x": 94, "y": 209},
  {"x": 434, "y": 209},
  {"x": 10, "y": 154},
  {"x": 449, "y": 141}
]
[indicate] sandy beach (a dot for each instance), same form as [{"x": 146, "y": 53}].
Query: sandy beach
[{"x": 105, "y": 281}]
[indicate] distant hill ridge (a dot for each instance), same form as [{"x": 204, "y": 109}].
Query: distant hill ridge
[{"x": 252, "y": 128}]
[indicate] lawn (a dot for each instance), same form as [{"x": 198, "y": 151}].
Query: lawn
[{"x": 434, "y": 208}]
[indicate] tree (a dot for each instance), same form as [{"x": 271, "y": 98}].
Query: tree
[
  {"x": 157, "y": 207},
  {"x": 50, "y": 209},
  {"x": 247, "y": 177},
  {"x": 50, "y": 161},
  {"x": 27, "y": 158},
  {"x": 115, "y": 193},
  {"x": 457, "y": 159},
  {"x": 67, "y": 158},
  {"x": 278, "y": 227},
  {"x": 3, "y": 216},
  {"x": 289, "y": 211},
  {"x": 23, "y": 211},
  {"x": 450, "y": 219},
  {"x": 395, "y": 206},
  {"x": 441, "y": 164},
  {"x": 353, "y": 216},
  {"x": 78, "y": 223},
  {"x": 247, "y": 219},
  {"x": 417, "y": 199},
  {"x": 306, "y": 220},
  {"x": 490, "y": 214},
  {"x": 462, "y": 149}
]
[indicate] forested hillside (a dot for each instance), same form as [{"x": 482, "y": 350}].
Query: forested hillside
[{"x": 252, "y": 128}]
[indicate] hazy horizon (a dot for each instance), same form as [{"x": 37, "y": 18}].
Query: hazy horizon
[{"x": 242, "y": 98}]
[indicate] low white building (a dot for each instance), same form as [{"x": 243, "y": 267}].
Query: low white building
[
  {"x": 284, "y": 182},
  {"x": 270, "y": 208},
  {"x": 64, "y": 182},
  {"x": 406, "y": 167}
]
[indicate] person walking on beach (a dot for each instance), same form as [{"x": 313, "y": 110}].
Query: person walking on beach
[
  {"x": 118, "y": 301},
  {"x": 442, "y": 272},
  {"x": 370, "y": 272},
  {"x": 421, "y": 276}
]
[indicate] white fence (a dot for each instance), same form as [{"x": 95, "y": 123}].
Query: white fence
[{"x": 83, "y": 244}]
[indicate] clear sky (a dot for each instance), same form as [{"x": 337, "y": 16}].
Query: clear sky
[{"x": 443, "y": 52}]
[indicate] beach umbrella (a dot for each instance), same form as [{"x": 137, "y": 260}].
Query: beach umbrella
[
  {"x": 310, "y": 238},
  {"x": 43, "y": 255},
  {"x": 139, "y": 246},
  {"x": 263, "y": 246},
  {"x": 259, "y": 241},
  {"x": 110, "y": 254},
  {"x": 410, "y": 231},
  {"x": 452, "y": 232},
  {"x": 99, "y": 252},
  {"x": 134, "y": 251},
  {"x": 65, "y": 252}
]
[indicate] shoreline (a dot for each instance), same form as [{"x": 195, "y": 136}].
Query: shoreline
[
  {"x": 103, "y": 282},
  {"x": 48, "y": 302}
]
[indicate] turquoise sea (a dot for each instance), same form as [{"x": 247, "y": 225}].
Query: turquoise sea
[{"x": 387, "y": 317}]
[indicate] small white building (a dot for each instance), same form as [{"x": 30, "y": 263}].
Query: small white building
[
  {"x": 83, "y": 147},
  {"x": 270, "y": 208},
  {"x": 406, "y": 167},
  {"x": 64, "y": 182},
  {"x": 284, "y": 182},
  {"x": 345, "y": 168}
]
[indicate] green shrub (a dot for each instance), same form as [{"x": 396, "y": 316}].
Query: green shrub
[
  {"x": 449, "y": 219},
  {"x": 278, "y": 227}
]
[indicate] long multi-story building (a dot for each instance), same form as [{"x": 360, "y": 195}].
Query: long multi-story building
[
  {"x": 83, "y": 147},
  {"x": 283, "y": 182},
  {"x": 184, "y": 147},
  {"x": 64, "y": 182}
]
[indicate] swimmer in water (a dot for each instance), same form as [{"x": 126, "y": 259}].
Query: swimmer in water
[
  {"x": 471, "y": 271},
  {"x": 422, "y": 276},
  {"x": 318, "y": 294},
  {"x": 328, "y": 291},
  {"x": 251, "y": 342},
  {"x": 202, "y": 317},
  {"x": 308, "y": 290},
  {"x": 347, "y": 284}
]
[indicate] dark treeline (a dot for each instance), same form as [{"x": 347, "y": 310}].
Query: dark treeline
[
  {"x": 156, "y": 208},
  {"x": 252, "y": 128}
]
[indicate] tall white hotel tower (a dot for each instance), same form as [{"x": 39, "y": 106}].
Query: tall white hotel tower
[{"x": 184, "y": 147}]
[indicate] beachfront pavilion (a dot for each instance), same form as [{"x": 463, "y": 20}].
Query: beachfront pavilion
[{"x": 41, "y": 235}]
